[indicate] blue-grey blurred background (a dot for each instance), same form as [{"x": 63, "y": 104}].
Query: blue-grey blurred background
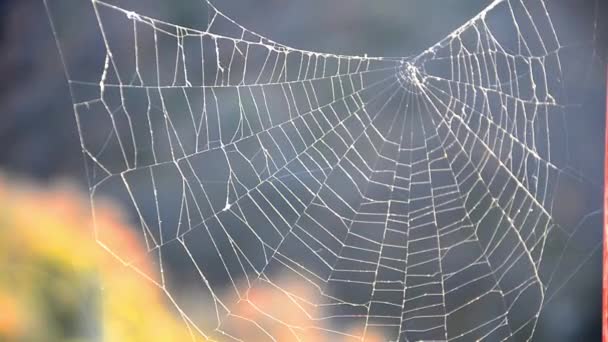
[{"x": 39, "y": 139}]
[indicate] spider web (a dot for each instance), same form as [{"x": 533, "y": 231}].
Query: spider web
[{"x": 415, "y": 195}]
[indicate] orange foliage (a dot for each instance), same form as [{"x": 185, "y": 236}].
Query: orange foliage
[{"x": 285, "y": 311}]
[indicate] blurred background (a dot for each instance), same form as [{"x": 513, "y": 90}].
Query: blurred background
[{"x": 40, "y": 147}]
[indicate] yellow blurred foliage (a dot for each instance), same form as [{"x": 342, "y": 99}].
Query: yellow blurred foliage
[{"x": 57, "y": 284}]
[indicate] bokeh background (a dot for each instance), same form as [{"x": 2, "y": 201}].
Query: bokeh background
[{"x": 39, "y": 140}]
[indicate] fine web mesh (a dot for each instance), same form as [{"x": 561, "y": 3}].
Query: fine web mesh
[{"x": 414, "y": 196}]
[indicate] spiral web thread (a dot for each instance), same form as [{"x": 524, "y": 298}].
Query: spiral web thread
[{"x": 414, "y": 195}]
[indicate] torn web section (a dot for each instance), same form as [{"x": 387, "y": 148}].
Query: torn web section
[
  {"x": 203, "y": 77},
  {"x": 232, "y": 55}
]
